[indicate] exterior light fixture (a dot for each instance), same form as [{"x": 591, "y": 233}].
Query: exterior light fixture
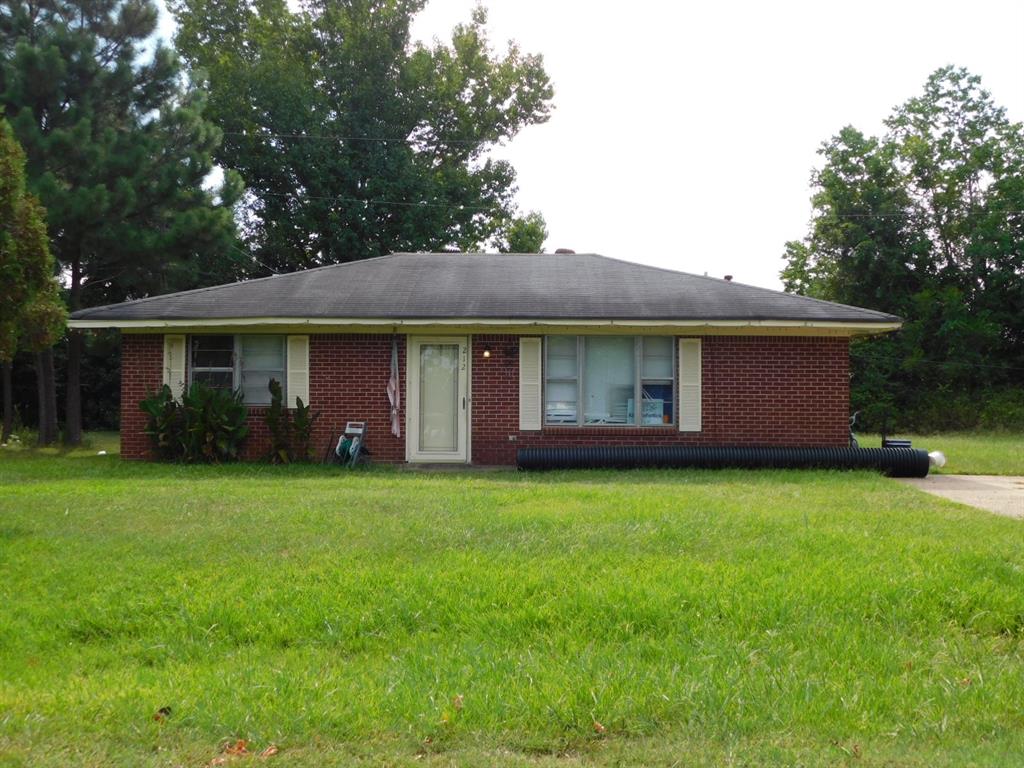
[{"x": 487, "y": 352}]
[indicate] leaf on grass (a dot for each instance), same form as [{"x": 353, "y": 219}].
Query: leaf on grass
[
  {"x": 162, "y": 714},
  {"x": 240, "y": 747},
  {"x": 269, "y": 752},
  {"x": 598, "y": 728},
  {"x": 457, "y": 702}
]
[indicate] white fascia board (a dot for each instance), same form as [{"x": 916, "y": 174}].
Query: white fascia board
[{"x": 844, "y": 328}]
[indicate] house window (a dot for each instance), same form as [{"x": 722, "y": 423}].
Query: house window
[
  {"x": 626, "y": 380},
  {"x": 562, "y": 380},
  {"x": 213, "y": 361},
  {"x": 245, "y": 363}
]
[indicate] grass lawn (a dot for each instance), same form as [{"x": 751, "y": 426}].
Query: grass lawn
[
  {"x": 969, "y": 453},
  {"x": 396, "y": 618}
]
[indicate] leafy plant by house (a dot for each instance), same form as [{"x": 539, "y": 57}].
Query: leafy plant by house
[
  {"x": 208, "y": 425},
  {"x": 276, "y": 419},
  {"x": 215, "y": 424},
  {"x": 302, "y": 430},
  {"x": 290, "y": 434},
  {"x": 165, "y": 425}
]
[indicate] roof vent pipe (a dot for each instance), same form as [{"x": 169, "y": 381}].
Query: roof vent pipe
[
  {"x": 728, "y": 278},
  {"x": 564, "y": 250}
]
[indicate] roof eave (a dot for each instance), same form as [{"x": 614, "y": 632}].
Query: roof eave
[{"x": 842, "y": 327}]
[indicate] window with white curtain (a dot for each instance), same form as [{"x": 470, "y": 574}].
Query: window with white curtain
[
  {"x": 240, "y": 362},
  {"x": 611, "y": 380}
]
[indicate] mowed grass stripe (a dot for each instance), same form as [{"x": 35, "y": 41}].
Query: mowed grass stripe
[{"x": 305, "y": 606}]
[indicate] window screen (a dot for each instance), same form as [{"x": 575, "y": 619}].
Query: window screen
[
  {"x": 213, "y": 361},
  {"x": 247, "y": 363},
  {"x": 609, "y": 374},
  {"x": 561, "y": 380},
  {"x": 262, "y": 359},
  {"x": 656, "y": 380}
]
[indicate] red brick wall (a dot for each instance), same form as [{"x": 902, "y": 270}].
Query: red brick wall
[
  {"x": 756, "y": 390},
  {"x": 348, "y": 376},
  {"x": 142, "y": 372}
]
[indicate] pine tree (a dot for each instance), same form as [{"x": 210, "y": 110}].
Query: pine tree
[{"x": 118, "y": 152}]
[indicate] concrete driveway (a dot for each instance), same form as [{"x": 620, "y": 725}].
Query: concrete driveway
[{"x": 1003, "y": 495}]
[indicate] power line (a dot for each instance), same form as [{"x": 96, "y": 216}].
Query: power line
[
  {"x": 251, "y": 256},
  {"x": 368, "y": 202},
  {"x": 927, "y": 361},
  {"x": 381, "y": 139}
]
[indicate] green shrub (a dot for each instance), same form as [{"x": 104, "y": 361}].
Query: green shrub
[
  {"x": 208, "y": 425},
  {"x": 289, "y": 437},
  {"x": 276, "y": 419},
  {"x": 1004, "y": 410},
  {"x": 166, "y": 424},
  {"x": 302, "y": 430},
  {"x": 942, "y": 411}
]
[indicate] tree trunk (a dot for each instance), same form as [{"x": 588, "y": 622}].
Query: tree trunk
[
  {"x": 47, "y": 397},
  {"x": 8, "y": 427},
  {"x": 73, "y": 397}
]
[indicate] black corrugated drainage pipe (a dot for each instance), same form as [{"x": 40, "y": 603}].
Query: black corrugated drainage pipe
[{"x": 895, "y": 462}]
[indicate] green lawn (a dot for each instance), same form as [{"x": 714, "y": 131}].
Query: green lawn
[
  {"x": 969, "y": 453},
  {"x": 396, "y": 618}
]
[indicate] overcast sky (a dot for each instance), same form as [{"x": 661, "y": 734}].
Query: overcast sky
[{"x": 684, "y": 134}]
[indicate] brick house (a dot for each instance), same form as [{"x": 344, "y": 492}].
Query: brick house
[{"x": 498, "y": 352}]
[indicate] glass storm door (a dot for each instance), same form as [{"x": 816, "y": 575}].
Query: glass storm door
[{"x": 438, "y": 398}]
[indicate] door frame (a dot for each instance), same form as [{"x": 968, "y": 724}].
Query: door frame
[{"x": 412, "y": 399}]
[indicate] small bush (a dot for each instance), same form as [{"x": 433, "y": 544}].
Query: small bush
[
  {"x": 289, "y": 437},
  {"x": 276, "y": 419},
  {"x": 942, "y": 411},
  {"x": 1004, "y": 410},
  {"x": 302, "y": 430},
  {"x": 208, "y": 425},
  {"x": 166, "y": 424}
]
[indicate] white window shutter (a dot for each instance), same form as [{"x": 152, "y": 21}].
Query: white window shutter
[
  {"x": 529, "y": 383},
  {"x": 689, "y": 385},
  {"x": 174, "y": 364},
  {"x": 298, "y": 370}
]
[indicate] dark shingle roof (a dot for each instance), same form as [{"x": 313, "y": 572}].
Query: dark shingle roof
[{"x": 474, "y": 285}]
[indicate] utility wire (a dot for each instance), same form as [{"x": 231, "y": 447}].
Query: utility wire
[
  {"x": 381, "y": 139},
  {"x": 416, "y": 204},
  {"x": 251, "y": 256},
  {"x": 876, "y": 357},
  {"x": 449, "y": 206}
]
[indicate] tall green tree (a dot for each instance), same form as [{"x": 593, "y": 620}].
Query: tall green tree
[
  {"x": 32, "y": 314},
  {"x": 354, "y": 141},
  {"x": 525, "y": 234},
  {"x": 925, "y": 222},
  {"x": 119, "y": 153}
]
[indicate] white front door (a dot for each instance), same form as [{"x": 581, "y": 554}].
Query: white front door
[{"x": 438, "y": 408}]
